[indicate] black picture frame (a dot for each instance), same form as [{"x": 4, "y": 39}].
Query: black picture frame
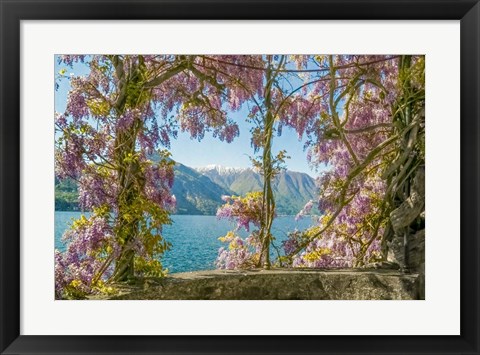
[{"x": 14, "y": 11}]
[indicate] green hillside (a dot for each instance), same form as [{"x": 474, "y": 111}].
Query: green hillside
[
  {"x": 66, "y": 195},
  {"x": 196, "y": 193}
]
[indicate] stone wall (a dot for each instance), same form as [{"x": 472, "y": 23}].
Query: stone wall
[
  {"x": 279, "y": 285},
  {"x": 416, "y": 258}
]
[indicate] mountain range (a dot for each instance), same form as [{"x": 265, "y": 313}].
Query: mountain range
[
  {"x": 199, "y": 190},
  {"x": 292, "y": 190}
]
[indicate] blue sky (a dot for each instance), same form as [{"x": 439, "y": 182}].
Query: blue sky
[
  {"x": 213, "y": 151},
  {"x": 210, "y": 150}
]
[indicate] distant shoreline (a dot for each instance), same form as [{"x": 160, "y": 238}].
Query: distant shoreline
[{"x": 177, "y": 214}]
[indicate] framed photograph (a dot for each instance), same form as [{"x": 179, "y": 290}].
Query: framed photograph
[{"x": 238, "y": 177}]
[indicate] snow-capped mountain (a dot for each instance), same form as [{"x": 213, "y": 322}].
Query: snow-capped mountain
[{"x": 220, "y": 169}]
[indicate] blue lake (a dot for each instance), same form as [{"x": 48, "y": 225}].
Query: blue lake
[{"x": 194, "y": 239}]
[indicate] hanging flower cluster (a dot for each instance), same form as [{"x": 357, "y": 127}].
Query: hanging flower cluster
[{"x": 243, "y": 211}]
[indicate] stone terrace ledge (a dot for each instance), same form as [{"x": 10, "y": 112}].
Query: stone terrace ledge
[{"x": 278, "y": 284}]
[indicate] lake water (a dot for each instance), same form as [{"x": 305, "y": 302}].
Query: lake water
[{"x": 194, "y": 239}]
